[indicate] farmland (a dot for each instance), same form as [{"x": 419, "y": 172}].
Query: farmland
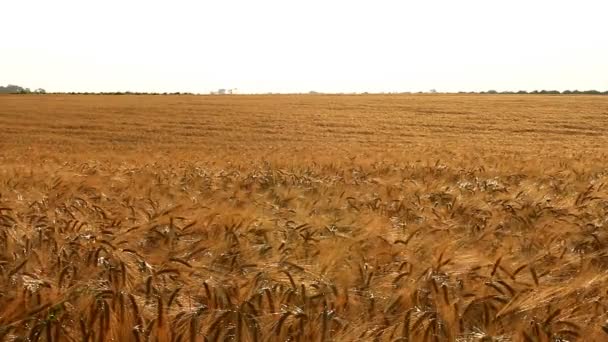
[{"x": 303, "y": 218}]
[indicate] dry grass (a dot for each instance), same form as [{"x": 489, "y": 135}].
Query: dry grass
[{"x": 303, "y": 218}]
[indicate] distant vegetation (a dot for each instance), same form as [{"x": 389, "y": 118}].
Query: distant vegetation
[
  {"x": 15, "y": 89},
  {"x": 126, "y": 93},
  {"x": 547, "y": 92},
  {"x": 541, "y": 92}
]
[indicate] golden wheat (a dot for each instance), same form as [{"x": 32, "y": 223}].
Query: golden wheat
[{"x": 303, "y": 218}]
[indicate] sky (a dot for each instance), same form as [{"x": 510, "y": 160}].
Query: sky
[{"x": 300, "y": 46}]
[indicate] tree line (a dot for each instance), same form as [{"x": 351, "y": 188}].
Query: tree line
[
  {"x": 547, "y": 92},
  {"x": 15, "y": 89},
  {"x": 125, "y": 93}
]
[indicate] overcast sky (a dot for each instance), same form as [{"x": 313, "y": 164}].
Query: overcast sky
[{"x": 297, "y": 46}]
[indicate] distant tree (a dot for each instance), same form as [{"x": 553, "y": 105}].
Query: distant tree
[
  {"x": 492, "y": 92},
  {"x": 522, "y": 92},
  {"x": 13, "y": 89}
]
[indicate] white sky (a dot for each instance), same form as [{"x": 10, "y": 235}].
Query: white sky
[{"x": 297, "y": 46}]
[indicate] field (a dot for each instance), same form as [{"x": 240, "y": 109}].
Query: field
[{"x": 303, "y": 218}]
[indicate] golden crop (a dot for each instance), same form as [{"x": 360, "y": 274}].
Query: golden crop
[{"x": 303, "y": 218}]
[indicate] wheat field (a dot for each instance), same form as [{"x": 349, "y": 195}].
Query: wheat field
[{"x": 303, "y": 218}]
